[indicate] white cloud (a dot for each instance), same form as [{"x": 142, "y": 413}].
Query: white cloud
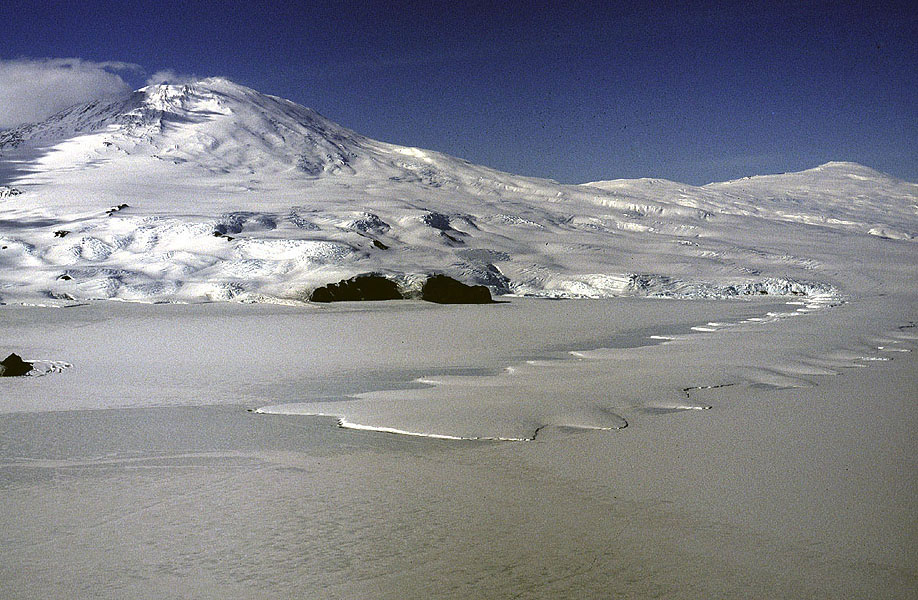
[
  {"x": 170, "y": 76},
  {"x": 32, "y": 89}
]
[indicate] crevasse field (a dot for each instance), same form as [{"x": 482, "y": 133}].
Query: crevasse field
[{"x": 688, "y": 392}]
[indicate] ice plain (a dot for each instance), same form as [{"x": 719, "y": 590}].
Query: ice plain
[
  {"x": 803, "y": 492},
  {"x": 783, "y": 307}
]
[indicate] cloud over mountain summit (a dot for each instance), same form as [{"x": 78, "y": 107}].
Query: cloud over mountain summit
[{"x": 33, "y": 89}]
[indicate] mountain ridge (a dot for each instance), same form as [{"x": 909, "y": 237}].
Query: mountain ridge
[
  {"x": 153, "y": 107},
  {"x": 212, "y": 190}
]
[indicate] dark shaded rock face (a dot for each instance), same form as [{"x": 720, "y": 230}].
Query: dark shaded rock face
[
  {"x": 368, "y": 286},
  {"x": 437, "y": 221},
  {"x": 446, "y": 290},
  {"x": 14, "y": 366}
]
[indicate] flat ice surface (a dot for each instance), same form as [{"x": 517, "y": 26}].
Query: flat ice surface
[
  {"x": 152, "y": 355},
  {"x": 797, "y": 482}
]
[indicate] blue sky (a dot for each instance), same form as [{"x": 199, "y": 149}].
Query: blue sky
[{"x": 690, "y": 91}]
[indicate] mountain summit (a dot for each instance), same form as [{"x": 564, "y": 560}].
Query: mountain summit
[
  {"x": 213, "y": 122},
  {"x": 212, "y": 190},
  {"x": 217, "y": 127}
]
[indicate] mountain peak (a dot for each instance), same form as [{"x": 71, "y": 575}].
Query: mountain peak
[
  {"x": 211, "y": 84},
  {"x": 819, "y": 175},
  {"x": 842, "y": 164},
  {"x": 849, "y": 169},
  {"x": 212, "y": 122}
]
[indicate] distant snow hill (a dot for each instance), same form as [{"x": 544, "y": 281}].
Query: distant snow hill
[{"x": 213, "y": 191}]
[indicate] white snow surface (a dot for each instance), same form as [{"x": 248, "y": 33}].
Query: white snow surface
[{"x": 214, "y": 191}]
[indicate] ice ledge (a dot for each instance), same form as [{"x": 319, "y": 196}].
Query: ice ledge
[{"x": 344, "y": 423}]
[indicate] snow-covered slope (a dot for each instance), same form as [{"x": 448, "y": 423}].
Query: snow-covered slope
[
  {"x": 214, "y": 124},
  {"x": 215, "y": 191}
]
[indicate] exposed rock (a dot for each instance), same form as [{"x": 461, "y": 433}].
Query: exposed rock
[
  {"x": 446, "y": 290},
  {"x": 231, "y": 223},
  {"x": 486, "y": 274},
  {"x": 437, "y": 221},
  {"x": 6, "y": 191},
  {"x": 14, "y": 366},
  {"x": 115, "y": 209},
  {"x": 451, "y": 238},
  {"x": 368, "y": 223},
  {"x": 368, "y": 286},
  {"x": 61, "y": 233},
  {"x": 300, "y": 221}
]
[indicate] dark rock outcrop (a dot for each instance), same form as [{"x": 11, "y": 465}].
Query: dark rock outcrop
[
  {"x": 368, "y": 223},
  {"x": 7, "y": 192},
  {"x": 368, "y": 286},
  {"x": 446, "y": 290},
  {"x": 437, "y": 221},
  {"x": 115, "y": 209},
  {"x": 14, "y": 366},
  {"x": 440, "y": 289}
]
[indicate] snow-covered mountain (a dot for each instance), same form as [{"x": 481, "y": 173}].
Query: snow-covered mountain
[{"x": 215, "y": 191}]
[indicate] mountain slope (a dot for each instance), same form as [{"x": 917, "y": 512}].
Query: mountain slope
[
  {"x": 216, "y": 191},
  {"x": 215, "y": 124}
]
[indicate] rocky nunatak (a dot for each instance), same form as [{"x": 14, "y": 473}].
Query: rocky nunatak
[
  {"x": 14, "y": 366},
  {"x": 440, "y": 289},
  {"x": 368, "y": 286},
  {"x": 446, "y": 290}
]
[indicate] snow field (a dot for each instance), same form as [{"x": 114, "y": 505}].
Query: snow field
[{"x": 228, "y": 189}]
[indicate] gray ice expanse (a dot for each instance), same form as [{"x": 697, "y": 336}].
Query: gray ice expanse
[
  {"x": 153, "y": 355},
  {"x": 804, "y": 492}
]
